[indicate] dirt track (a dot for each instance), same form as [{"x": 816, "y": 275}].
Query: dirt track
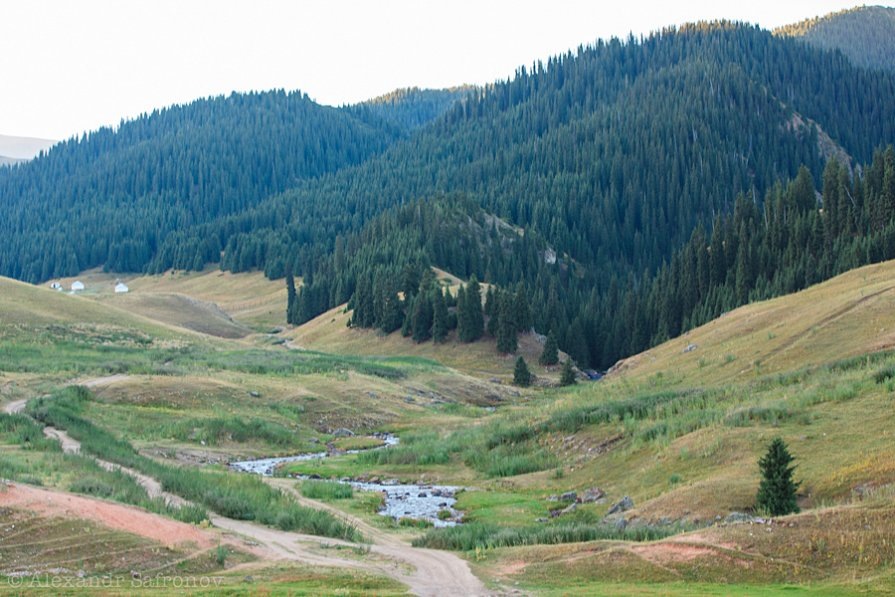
[
  {"x": 116, "y": 516},
  {"x": 435, "y": 572},
  {"x": 427, "y": 572},
  {"x": 15, "y": 407}
]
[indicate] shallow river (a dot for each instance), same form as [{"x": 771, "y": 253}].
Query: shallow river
[{"x": 419, "y": 502}]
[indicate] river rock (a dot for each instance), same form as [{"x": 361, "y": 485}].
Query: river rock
[
  {"x": 738, "y": 517},
  {"x": 592, "y": 495},
  {"x": 568, "y": 509},
  {"x": 342, "y": 432},
  {"x": 624, "y": 505}
]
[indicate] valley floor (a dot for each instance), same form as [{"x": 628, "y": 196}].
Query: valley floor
[{"x": 138, "y": 455}]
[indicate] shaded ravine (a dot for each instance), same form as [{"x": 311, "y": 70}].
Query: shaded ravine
[{"x": 426, "y": 572}]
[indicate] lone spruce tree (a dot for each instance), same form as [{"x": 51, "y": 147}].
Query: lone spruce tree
[
  {"x": 777, "y": 491},
  {"x": 521, "y": 374},
  {"x": 567, "y": 377},
  {"x": 550, "y": 356}
]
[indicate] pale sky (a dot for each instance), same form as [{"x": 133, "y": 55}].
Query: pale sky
[{"x": 70, "y": 66}]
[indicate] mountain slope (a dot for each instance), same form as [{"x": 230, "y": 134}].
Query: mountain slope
[
  {"x": 866, "y": 34},
  {"x": 121, "y": 192},
  {"x": 850, "y": 315},
  {"x": 412, "y": 108},
  {"x": 612, "y": 155}
]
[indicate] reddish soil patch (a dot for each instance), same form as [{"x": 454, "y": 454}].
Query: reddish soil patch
[
  {"x": 115, "y": 516},
  {"x": 672, "y": 552},
  {"x": 511, "y": 568}
]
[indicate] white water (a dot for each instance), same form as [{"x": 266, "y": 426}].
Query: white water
[
  {"x": 419, "y": 502},
  {"x": 266, "y": 466}
]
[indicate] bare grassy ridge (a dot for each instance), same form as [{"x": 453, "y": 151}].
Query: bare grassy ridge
[{"x": 850, "y": 315}]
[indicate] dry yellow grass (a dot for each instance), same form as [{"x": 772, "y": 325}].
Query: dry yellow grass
[
  {"x": 849, "y": 315},
  {"x": 830, "y": 546},
  {"x": 329, "y": 332},
  {"x": 249, "y": 299},
  {"x": 26, "y": 305}
]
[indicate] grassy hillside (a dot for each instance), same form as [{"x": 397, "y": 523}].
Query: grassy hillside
[
  {"x": 847, "y": 316},
  {"x": 679, "y": 437},
  {"x": 24, "y": 306},
  {"x": 683, "y": 440},
  {"x": 211, "y": 301}
]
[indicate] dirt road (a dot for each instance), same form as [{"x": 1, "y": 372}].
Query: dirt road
[
  {"x": 427, "y": 572},
  {"x": 435, "y": 572},
  {"x": 15, "y": 407}
]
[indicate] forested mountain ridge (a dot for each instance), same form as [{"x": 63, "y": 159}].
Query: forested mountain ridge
[
  {"x": 612, "y": 154},
  {"x": 112, "y": 196},
  {"x": 866, "y": 34},
  {"x": 411, "y": 108},
  {"x": 615, "y": 153}
]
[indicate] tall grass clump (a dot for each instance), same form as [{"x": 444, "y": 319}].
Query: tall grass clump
[
  {"x": 422, "y": 448},
  {"x": 24, "y": 431},
  {"x": 478, "y": 535},
  {"x": 215, "y": 430},
  {"x": 326, "y": 490}
]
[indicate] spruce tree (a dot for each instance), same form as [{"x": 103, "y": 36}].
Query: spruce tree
[
  {"x": 523, "y": 312},
  {"x": 550, "y": 355},
  {"x": 439, "y": 317},
  {"x": 567, "y": 377},
  {"x": 474, "y": 305},
  {"x": 521, "y": 374},
  {"x": 463, "y": 322},
  {"x": 494, "y": 315},
  {"x": 406, "y": 327},
  {"x": 290, "y": 297},
  {"x": 490, "y": 302},
  {"x": 421, "y": 323},
  {"x": 393, "y": 314},
  {"x": 777, "y": 491},
  {"x": 506, "y": 327}
]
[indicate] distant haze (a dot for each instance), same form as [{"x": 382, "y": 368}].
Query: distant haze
[
  {"x": 14, "y": 149},
  {"x": 80, "y": 65}
]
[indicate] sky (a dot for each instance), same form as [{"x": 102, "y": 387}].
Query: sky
[{"x": 69, "y": 67}]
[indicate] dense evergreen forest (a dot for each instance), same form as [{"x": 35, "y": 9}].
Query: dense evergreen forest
[
  {"x": 864, "y": 34},
  {"x": 614, "y": 153},
  {"x": 575, "y": 187},
  {"x": 412, "y": 108},
  {"x": 112, "y": 197},
  {"x": 795, "y": 237}
]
